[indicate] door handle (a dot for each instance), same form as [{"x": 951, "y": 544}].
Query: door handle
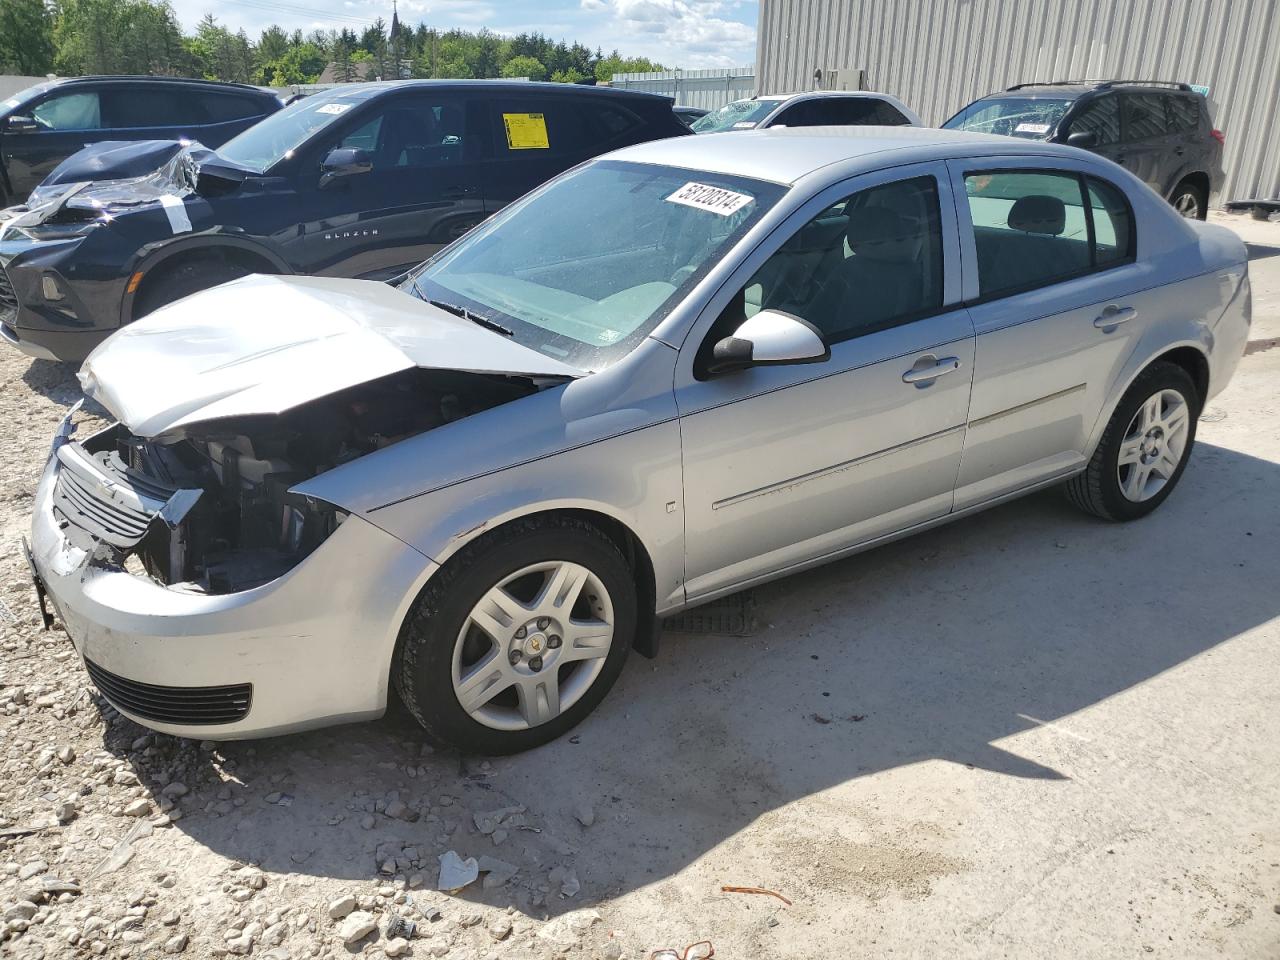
[
  {"x": 928, "y": 368},
  {"x": 1113, "y": 316},
  {"x": 457, "y": 193}
]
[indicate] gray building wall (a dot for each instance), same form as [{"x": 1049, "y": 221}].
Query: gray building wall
[{"x": 937, "y": 55}]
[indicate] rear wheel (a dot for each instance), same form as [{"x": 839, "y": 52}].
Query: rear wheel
[
  {"x": 1144, "y": 449},
  {"x": 182, "y": 280},
  {"x": 519, "y": 637},
  {"x": 1189, "y": 200}
]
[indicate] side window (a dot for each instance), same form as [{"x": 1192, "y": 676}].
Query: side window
[
  {"x": 1144, "y": 116},
  {"x": 887, "y": 115},
  {"x": 863, "y": 111},
  {"x": 606, "y": 123},
  {"x": 1184, "y": 113},
  {"x": 412, "y": 133},
  {"x": 225, "y": 107},
  {"x": 155, "y": 107},
  {"x": 71, "y": 111},
  {"x": 1031, "y": 228},
  {"x": 871, "y": 261},
  {"x": 1101, "y": 117},
  {"x": 540, "y": 127},
  {"x": 1112, "y": 224}
]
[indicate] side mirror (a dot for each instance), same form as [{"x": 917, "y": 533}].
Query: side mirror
[
  {"x": 21, "y": 125},
  {"x": 1082, "y": 138},
  {"x": 344, "y": 162},
  {"x": 768, "y": 338}
]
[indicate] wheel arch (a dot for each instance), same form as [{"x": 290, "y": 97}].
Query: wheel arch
[
  {"x": 1197, "y": 178},
  {"x": 629, "y": 543},
  {"x": 255, "y": 256},
  {"x": 1190, "y": 356}
]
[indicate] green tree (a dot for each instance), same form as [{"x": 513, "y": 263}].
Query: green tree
[
  {"x": 524, "y": 67},
  {"x": 26, "y": 37},
  {"x": 572, "y": 75}
]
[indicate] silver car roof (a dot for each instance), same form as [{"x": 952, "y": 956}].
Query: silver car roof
[{"x": 788, "y": 154}]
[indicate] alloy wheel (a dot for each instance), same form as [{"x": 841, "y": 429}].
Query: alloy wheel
[
  {"x": 533, "y": 645},
  {"x": 1187, "y": 204},
  {"x": 1153, "y": 446}
]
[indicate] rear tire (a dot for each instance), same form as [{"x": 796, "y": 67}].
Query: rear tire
[
  {"x": 529, "y": 671},
  {"x": 186, "y": 278},
  {"x": 1144, "y": 449},
  {"x": 1190, "y": 201}
]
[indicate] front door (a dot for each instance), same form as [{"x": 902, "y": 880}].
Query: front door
[
  {"x": 423, "y": 191},
  {"x": 1052, "y": 281},
  {"x": 65, "y": 122},
  {"x": 786, "y": 464}
]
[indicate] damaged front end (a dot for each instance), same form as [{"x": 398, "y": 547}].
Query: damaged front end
[{"x": 209, "y": 507}]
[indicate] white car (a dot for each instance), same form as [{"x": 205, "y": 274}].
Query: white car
[
  {"x": 669, "y": 374},
  {"x": 823, "y": 108}
]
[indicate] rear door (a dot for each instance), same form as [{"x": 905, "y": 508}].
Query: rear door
[
  {"x": 1056, "y": 299},
  {"x": 537, "y": 137},
  {"x": 424, "y": 190},
  {"x": 1147, "y": 140},
  {"x": 66, "y": 120}
]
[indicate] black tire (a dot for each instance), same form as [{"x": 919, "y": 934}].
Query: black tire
[
  {"x": 422, "y": 667},
  {"x": 182, "y": 280},
  {"x": 1186, "y": 193},
  {"x": 1097, "y": 490}
]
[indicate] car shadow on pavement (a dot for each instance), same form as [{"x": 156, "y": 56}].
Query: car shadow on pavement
[
  {"x": 935, "y": 648},
  {"x": 54, "y": 380}
]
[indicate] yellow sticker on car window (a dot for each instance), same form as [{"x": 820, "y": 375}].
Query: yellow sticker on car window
[{"x": 526, "y": 131}]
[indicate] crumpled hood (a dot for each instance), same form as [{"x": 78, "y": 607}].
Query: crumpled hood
[
  {"x": 114, "y": 176},
  {"x": 266, "y": 344}
]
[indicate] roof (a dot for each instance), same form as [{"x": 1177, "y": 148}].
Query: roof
[
  {"x": 511, "y": 86},
  {"x": 101, "y": 78},
  {"x": 786, "y": 154},
  {"x": 1075, "y": 88}
]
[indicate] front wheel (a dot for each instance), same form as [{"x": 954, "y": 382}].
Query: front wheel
[
  {"x": 1144, "y": 449},
  {"x": 519, "y": 637}
]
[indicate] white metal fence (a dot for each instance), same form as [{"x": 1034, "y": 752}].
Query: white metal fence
[{"x": 705, "y": 89}]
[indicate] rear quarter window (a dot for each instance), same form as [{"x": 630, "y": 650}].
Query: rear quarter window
[{"x": 1184, "y": 114}]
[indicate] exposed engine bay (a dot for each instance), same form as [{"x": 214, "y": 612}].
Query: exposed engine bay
[{"x": 208, "y": 509}]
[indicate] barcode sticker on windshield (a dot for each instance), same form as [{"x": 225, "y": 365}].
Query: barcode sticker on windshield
[
  {"x": 1031, "y": 128},
  {"x": 334, "y": 108},
  {"x": 712, "y": 199}
]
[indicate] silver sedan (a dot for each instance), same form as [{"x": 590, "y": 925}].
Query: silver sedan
[{"x": 672, "y": 373}]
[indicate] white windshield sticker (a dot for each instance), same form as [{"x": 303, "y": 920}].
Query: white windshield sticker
[
  {"x": 744, "y": 125},
  {"x": 334, "y": 108},
  {"x": 712, "y": 199},
  {"x": 1031, "y": 128},
  {"x": 176, "y": 210}
]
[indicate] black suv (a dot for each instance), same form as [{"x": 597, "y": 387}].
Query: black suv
[
  {"x": 360, "y": 181},
  {"x": 1160, "y": 132},
  {"x": 43, "y": 125}
]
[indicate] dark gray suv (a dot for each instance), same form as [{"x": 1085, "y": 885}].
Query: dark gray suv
[{"x": 1160, "y": 132}]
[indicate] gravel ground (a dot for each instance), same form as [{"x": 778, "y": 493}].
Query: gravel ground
[{"x": 1025, "y": 735}]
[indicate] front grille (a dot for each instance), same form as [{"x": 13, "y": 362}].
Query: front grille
[
  {"x": 7, "y": 299},
  {"x": 98, "y": 496},
  {"x": 178, "y": 705}
]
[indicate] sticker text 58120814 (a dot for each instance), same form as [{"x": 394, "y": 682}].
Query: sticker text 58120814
[{"x": 700, "y": 196}]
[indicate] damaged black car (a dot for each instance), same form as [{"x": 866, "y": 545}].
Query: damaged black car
[{"x": 363, "y": 181}]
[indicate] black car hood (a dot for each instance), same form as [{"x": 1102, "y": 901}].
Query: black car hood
[{"x": 120, "y": 174}]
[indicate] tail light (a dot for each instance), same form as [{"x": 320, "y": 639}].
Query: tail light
[{"x": 1219, "y": 136}]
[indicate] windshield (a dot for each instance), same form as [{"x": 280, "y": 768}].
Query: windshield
[
  {"x": 585, "y": 268},
  {"x": 1026, "y": 117},
  {"x": 269, "y": 141},
  {"x": 741, "y": 115}
]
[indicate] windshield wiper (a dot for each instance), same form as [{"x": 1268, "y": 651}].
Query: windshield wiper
[{"x": 486, "y": 322}]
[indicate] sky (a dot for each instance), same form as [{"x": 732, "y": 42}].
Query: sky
[{"x": 676, "y": 33}]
